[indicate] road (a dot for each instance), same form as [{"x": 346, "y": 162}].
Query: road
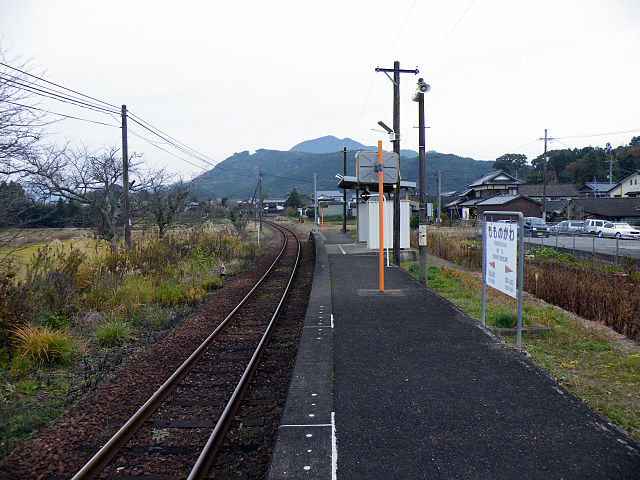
[{"x": 589, "y": 243}]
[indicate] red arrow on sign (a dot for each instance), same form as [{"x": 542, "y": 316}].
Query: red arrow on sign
[
  {"x": 492, "y": 264},
  {"x": 507, "y": 269}
]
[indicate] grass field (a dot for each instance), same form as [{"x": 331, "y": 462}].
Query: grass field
[{"x": 69, "y": 305}]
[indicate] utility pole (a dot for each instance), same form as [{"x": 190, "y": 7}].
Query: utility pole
[
  {"x": 607, "y": 149},
  {"x": 422, "y": 192},
  {"x": 544, "y": 178},
  {"x": 315, "y": 202},
  {"x": 396, "y": 148},
  {"x": 439, "y": 196},
  {"x": 344, "y": 193},
  {"x": 261, "y": 206},
  {"x": 125, "y": 181}
]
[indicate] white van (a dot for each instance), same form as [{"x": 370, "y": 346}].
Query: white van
[{"x": 593, "y": 225}]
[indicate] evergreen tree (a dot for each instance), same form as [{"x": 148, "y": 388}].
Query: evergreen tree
[{"x": 293, "y": 200}]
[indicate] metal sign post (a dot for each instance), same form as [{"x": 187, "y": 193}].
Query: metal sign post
[
  {"x": 380, "y": 217},
  {"x": 503, "y": 261}
]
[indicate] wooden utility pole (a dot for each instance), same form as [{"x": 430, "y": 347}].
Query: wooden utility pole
[
  {"x": 261, "y": 206},
  {"x": 344, "y": 192},
  {"x": 125, "y": 180},
  {"x": 396, "y": 148}
]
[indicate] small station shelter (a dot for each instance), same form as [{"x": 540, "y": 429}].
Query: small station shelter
[{"x": 365, "y": 185}]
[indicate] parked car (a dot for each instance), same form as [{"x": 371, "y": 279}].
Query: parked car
[
  {"x": 568, "y": 226},
  {"x": 535, "y": 227},
  {"x": 593, "y": 225},
  {"x": 618, "y": 230}
]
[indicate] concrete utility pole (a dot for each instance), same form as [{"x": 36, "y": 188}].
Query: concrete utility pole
[
  {"x": 125, "y": 180},
  {"x": 315, "y": 202},
  {"x": 439, "y": 196},
  {"x": 261, "y": 206},
  {"x": 607, "y": 149},
  {"x": 544, "y": 179},
  {"x": 422, "y": 192},
  {"x": 396, "y": 148},
  {"x": 344, "y": 193}
]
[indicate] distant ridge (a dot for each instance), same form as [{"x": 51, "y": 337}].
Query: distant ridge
[
  {"x": 236, "y": 177},
  {"x": 331, "y": 144}
]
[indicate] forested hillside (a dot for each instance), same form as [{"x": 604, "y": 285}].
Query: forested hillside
[
  {"x": 576, "y": 166},
  {"x": 237, "y": 176}
]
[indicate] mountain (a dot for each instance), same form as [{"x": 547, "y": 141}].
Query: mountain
[
  {"x": 237, "y": 176},
  {"x": 330, "y": 144}
]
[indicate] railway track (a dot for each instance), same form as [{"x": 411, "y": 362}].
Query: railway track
[{"x": 177, "y": 432}]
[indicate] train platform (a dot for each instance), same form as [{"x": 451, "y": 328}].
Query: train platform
[{"x": 403, "y": 385}]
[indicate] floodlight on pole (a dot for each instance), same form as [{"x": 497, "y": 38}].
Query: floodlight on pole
[
  {"x": 392, "y": 134},
  {"x": 422, "y": 182}
]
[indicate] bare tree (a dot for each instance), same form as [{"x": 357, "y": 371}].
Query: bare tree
[
  {"x": 83, "y": 177},
  {"x": 162, "y": 201},
  {"x": 21, "y": 125}
]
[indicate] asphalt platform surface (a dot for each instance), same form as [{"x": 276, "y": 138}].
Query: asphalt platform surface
[{"x": 420, "y": 390}]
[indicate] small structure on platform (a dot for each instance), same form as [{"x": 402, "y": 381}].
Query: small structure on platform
[{"x": 365, "y": 184}]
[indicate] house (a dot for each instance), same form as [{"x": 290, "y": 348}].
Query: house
[
  {"x": 625, "y": 209},
  {"x": 595, "y": 189},
  {"x": 627, "y": 187},
  {"x": 496, "y": 183},
  {"x": 554, "y": 192},
  {"x": 510, "y": 203}
]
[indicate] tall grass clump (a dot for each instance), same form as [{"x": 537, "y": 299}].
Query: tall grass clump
[
  {"x": 114, "y": 332},
  {"x": 44, "y": 345},
  {"x": 603, "y": 297},
  {"x": 456, "y": 249}
]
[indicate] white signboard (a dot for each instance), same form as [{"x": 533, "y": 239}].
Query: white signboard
[
  {"x": 501, "y": 261},
  {"x": 422, "y": 235}
]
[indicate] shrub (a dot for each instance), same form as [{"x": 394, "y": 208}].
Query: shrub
[
  {"x": 414, "y": 223},
  {"x": 211, "y": 283},
  {"x": 505, "y": 319},
  {"x": 156, "y": 316},
  {"x": 114, "y": 332},
  {"x": 44, "y": 345},
  {"x": 55, "y": 321},
  {"x": 169, "y": 294},
  {"x": 194, "y": 295},
  {"x": 16, "y": 309}
]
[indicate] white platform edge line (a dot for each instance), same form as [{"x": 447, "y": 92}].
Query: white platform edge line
[
  {"x": 334, "y": 448},
  {"x": 308, "y": 425}
]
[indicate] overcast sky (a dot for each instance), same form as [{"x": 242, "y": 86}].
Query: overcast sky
[{"x": 226, "y": 76}]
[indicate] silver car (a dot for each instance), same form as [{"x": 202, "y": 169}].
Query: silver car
[{"x": 618, "y": 230}]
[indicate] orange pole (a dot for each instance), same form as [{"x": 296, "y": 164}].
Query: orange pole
[{"x": 380, "y": 218}]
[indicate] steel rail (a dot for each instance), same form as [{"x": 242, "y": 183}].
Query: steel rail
[
  {"x": 202, "y": 465},
  {"x": 110, "y": 449}
]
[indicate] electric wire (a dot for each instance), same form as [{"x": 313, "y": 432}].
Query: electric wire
[
  {"x": 57, "y": 96},
  {"x": 57, "y": 85},
  {"x": 167, "y": 139},
  {"x": 399, "y": 31},
  {"x": 446, "y": 36},
  {"x": 31, "y": 107},
  {"x": 599, "y": 134}
]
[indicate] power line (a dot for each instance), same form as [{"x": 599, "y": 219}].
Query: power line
[
  {"x": 446, "y": 36},
  {"x": 399, "y": 31},
  {"x": 57, "y": 85},
  {"x": 48, "y": 93},
  {"x": 30, "y": 107},
  {"x": 600, "y": 134}
]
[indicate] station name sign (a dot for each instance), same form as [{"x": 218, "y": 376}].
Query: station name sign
[{"x": 501, "y": 261}]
